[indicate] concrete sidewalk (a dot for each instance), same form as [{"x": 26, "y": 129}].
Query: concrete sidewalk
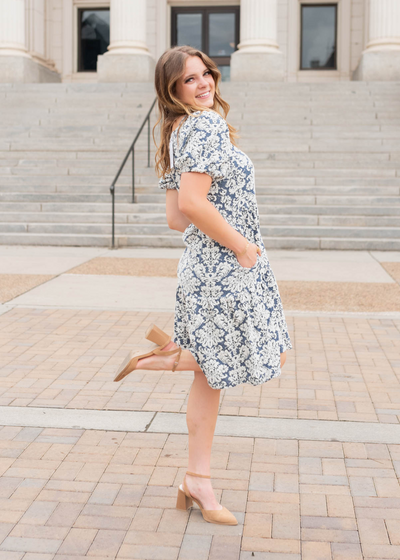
[
  {"x": 145, "y": 279},
  {"x": 309, "y": 462}
]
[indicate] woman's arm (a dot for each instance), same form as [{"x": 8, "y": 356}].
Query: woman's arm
[
  {"x": 175, "y": 218},
  {"x": 193, "y": 203}
]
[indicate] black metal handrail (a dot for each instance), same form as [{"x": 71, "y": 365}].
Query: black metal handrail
[{"x": 131, "y": 149}]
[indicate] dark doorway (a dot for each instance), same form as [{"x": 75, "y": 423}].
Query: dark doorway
[
  {"x": 93, "y": 37},
  {"x": 213, "y": 30},
  {"x": 318, "y": 36}
]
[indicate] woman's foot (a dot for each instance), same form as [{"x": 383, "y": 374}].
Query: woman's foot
[
  {"x": 201, "y": 489},
  {"x": 156, "y": 362}
]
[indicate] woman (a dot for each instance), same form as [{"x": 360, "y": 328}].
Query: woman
[{"x": 229, "y": 323}]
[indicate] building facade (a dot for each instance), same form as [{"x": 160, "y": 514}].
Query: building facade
[{"x": 250, "y": 40}]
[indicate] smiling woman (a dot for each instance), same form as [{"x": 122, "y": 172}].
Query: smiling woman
[{"x": 229, "y": 325}]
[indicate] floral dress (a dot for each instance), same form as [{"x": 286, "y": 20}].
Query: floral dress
[{"x": 230, "y": 317}]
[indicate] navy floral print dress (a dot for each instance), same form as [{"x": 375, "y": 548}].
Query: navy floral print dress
[{"x": 230, "y": 317}]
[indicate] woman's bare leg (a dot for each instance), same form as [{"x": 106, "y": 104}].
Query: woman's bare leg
[{"x": 201, "y": 418}]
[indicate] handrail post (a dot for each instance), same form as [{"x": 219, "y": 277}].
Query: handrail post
[
  {"x": 133, "y": 174},
  {"x": 148, "y": 141},
  {"x": 112, "y": 189}
]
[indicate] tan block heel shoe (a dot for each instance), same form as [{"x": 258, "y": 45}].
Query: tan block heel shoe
[
  {"x": 131, "y": 360},
  {"x": 157, "y": 335},
  {"x": 185, "y": 501}
]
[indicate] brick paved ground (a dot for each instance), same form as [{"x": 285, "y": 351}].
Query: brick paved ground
[
  {"x": 341, "y": 368},
  {"x": 74, "y": 494},
  {"x": 69, "y": 494}
]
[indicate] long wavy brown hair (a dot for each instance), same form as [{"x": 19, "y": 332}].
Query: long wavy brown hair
[{"x": 169, "y": 68}]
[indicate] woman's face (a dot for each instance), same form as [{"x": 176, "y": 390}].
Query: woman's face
[{"x": 196, "y": 86}]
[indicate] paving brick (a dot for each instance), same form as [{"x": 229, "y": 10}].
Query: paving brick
[
  {"x": 38, "y": 513},
  {"x": 104, "y": 493},
  {"x": 234, "y": 500},
  {"x": 148, "y": 552},
  {"x": 329, "y": 535},
  {"x": 393, "y": 529},
  {"x": 146, "y": 519},
  {"x": 313, "y": 504},
  {"x": 362, "y": 486},
  {"x": 386, "y": 487},
  {"x": 102, "y": 522},
  {"x": 261, "y": 482},
  {"x": 381, "y": 551},
  {"x": 325, "y": 489},
  {"x": 316, "y": 551},
  {"x": 340, "y": 506},
  {"x": 38, "y": 556},
  {"x": 225, "y": 548},
  {"x": 8, "y": 555},
  {"x": 64, "y": 515},
  {"x": 346, "y": 551},
  {"x": 106, "y": 543},
  {"x": 195, "y": 547},
  {"x": 30, "y": 544},
  {"x": 285, "y": 526},
  {"x": 78, "y": 541},
  {"x": 373, "y": 531},
  {"x": 258, "y": 525},
  {"x": 257, "y": 544},
  {"x": 172, "y": 521}
]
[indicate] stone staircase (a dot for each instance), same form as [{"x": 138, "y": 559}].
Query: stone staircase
[{"x": 327, "y": 160}]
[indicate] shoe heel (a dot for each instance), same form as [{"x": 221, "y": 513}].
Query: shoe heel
[
  {"x": 155, "y": 334},
  {"x": 182, "y": 501}
]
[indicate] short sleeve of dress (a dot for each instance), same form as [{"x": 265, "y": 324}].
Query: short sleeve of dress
[
  {"x": 206, "y": 146},
  {"x": 167, "y": 182}
]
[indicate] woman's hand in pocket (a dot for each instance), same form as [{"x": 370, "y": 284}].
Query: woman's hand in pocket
[{"x": 249, "y": 259}]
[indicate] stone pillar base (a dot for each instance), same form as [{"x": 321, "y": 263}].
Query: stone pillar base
[
  {"x": 22, "y": 69},
  {"x": 256, "y": 67},
  {"x": 125, "y": 68},
  {"x": 376, "y": 66}
]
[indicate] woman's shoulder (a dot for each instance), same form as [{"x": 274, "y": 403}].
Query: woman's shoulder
[
  {"x": 207, "y": 118},
  {"x": 200, "y": 121}
]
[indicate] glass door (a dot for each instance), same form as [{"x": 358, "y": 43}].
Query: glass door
[
  {"x": 93, "y": 37},
  {"x": 215, "y": 31},
  {"x": 318, "y": 37}
]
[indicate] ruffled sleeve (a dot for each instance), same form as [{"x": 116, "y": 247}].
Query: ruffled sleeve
[
  {"x": 167, "y": 182},
  {"x": 206, "y": 146}
]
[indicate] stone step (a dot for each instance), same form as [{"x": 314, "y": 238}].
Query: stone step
[
  {"x": 365, "y": 244},
  {"x": 159, "y": 194},
  {"x": 303, "y": 199},
  {"x": 163, "y": 230},
  {"x": 66, "y": 183},
  {"x": 143, "y": 211},
  {"x": 268, "y": 158},
  {"x": 29, "y": 218},
  {"x": 109, "y": 172},
  {"x": 136, "y": 218}
]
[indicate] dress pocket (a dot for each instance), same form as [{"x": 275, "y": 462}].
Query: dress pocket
[{"x": 249, "y": 269}]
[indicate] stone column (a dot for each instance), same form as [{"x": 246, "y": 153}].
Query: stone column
[
  {"x": 128, "y": 59},
  {"x": 381, "y": 58},
  {"x": 258, "y": 57},
  {"x": 13, "y": 52},
  {"x": 16, "y": 63}
]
